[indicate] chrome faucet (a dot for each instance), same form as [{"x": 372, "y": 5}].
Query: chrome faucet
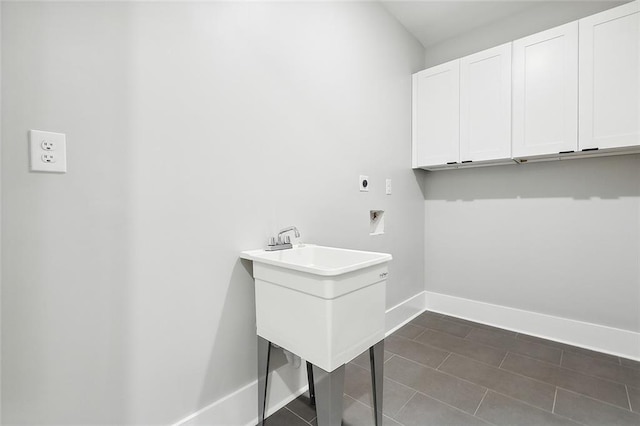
[
  {"x": 287, "y": 229},
  {"x": 281, "y": 244}
]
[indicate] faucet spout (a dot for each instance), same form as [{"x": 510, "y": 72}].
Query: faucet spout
[{"x": 290, "y": 228}]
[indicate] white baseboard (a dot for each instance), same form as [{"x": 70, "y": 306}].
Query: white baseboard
[
  {"x": 241, "y": 407},
  {"x": 404, "y": 312},
  {"x": 596, "y": 337},
  {"x": 285, "y": 384}
]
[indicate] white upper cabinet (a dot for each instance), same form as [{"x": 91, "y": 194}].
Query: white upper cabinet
[
  {"x": 485, "y": 105},
  {"x": 436, "y": 115},
  {"x": 550, "y": 95},
  {"x": 610, "y": 78},
  {"x": 545, "y": 92}
]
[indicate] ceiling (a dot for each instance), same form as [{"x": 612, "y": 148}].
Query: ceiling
[{"x": 433, "y": 22}]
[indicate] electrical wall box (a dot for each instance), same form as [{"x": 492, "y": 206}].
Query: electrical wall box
[
  {"x": 47, "y": 152},
  {"x": 376, "y": 222},
  {"x": 363, "y": 182}
]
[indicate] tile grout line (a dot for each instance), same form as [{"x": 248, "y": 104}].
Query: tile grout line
[
  {"x": 415, "y": 392},
  {"x": 628, "y": 398},
  {"x": 416, "y": 362},
  {"x": 610, "y": 381},
  {"x": 468, "y": 332},
  {"x": 371, "y": 408},
  {"x": 584, "y": 352},
  {"x": 295, "y": 414},
  {"x": 438, "y": 371},
  {"x": 401, "y": 384},
  {"x": 480, "y": 403},
  {"x": 561, "y": 356},
  {"x": 503, "y": 358},
  {"x": 414, "y": 339},
  {"x": 481, "y": 343},
  {"x": 520, "y": 401},
  {"x": 579, "y": 350},
  {"x": 446, "y": 403},
  {"x": 458, "y": 353},
  {"x": 437, "y": 330},
  {"x": 536, "y": 407},
  {"x": 537, "y": 359},
  {"x": 443, "y": 361},
  {"x": 515, "y": 337},
  {"x": 555, "y": 397},
  {"x": 576, "y": 392},
  {"x": 465, "y": 380},
  {"x": 594, "y": 399}
]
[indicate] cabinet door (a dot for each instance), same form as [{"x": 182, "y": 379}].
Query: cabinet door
[
  {"x": 436, "y": 115},
  {"x": 485, "y": 105},
  {"x": 545, "y": 92},
  {"x": 610, "y": 78}
]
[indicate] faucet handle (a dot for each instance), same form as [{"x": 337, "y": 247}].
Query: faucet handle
[
  {"x": 272, "y": 241},
  {"x": 287, "y": 239}
]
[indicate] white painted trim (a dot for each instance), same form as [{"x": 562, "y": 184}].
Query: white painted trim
[
  {"x": 596, "y": 337},
  {"x": 404, "y": 312},
  {"x": 241, "y": 408},
  {"x": 286, "y": 383}
]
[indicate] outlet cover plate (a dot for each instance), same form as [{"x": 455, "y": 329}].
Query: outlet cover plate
[{"x": 39, "y": 156}]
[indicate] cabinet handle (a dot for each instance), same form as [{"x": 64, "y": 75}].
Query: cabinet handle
[
  {"x": 590, "y": 149},
  {"x": 467, "y": 161},
  {"x": 452, "y": 162},
  {"x": 566, "y": 152}
]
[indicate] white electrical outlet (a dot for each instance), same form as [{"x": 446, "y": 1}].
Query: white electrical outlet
[
  {"x": 363, "y": 183},
  {"x": 48, "y": 158},
  {"x": 48, "y": 152},
  {"x": 48, "y": 145}
]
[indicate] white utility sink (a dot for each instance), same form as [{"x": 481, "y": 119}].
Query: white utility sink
[
  {"x": 325, "y": 304},
  {"x": 318, "y": 260}
]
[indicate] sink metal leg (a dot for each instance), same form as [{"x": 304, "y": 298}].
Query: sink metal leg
[
  {"x": 312, "y": 392},
  {"x": 329, "y": 390},
  {"x": 376, "y": 356},
  {"x": 264, "y": 353}
]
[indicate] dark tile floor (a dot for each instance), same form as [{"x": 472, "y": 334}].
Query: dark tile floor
[{"x": 441, "y": 370}]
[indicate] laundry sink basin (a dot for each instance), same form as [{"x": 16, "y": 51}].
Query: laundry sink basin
[
  {"x": 318, "y": 260},
  {"x": 325, "y": 304}
]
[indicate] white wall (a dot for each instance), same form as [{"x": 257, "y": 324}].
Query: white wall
[
  {"x": 194, "y": 131},
  {"x": 559, "y": 238}
]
